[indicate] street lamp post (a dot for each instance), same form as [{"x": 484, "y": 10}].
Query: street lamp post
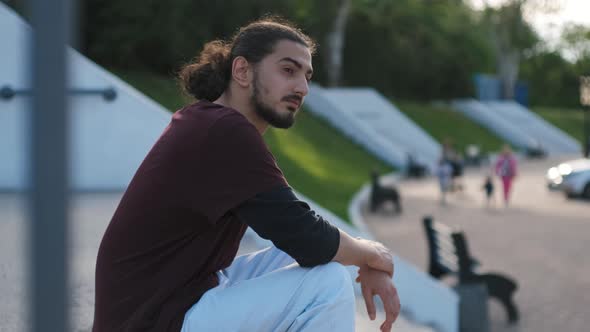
[{"x": 585, "y": 101}]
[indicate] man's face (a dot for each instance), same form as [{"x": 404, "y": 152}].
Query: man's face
[{"x": 280, "y": 82}]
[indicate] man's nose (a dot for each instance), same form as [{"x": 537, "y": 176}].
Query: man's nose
[{"x": 302, "y": 88}]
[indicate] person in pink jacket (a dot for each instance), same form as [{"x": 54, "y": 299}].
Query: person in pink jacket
[{"x": 506, "y": 168}]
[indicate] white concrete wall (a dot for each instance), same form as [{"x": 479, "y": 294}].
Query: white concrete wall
[
  {"x": 552, "y": 139},
  {"x": 366, "y": 105},
  {"x": 108, "y": 140},
  {"x": 374, "y": 122},
  {"x": 13, "y": 114},
  {"x": 320, "y": 105},
  {"x": 502, "y": 127}
]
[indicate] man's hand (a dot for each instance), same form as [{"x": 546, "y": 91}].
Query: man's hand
[
  {"x": 376, "y": 282},
  {"x": 380, "y": 257},
  {"x": 362, "y": 252}
]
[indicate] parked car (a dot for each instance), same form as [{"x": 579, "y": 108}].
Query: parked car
[
  {"x": 556, "y": 175},
  {"x": 577, "y": 183}
]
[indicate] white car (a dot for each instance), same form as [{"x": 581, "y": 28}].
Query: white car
[{"x": 556, "y": 175}]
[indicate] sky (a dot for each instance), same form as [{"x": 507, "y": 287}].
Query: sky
[{"x": 549, "y": 25}]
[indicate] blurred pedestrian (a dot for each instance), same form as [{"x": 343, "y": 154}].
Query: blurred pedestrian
[
  {"x": 444, "y": 173},
  {"x": 455, "y": 161},
  {"x": 506, "y": 170}
]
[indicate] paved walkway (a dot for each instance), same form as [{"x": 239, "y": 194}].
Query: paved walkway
[{"x": 541, "y": 240}]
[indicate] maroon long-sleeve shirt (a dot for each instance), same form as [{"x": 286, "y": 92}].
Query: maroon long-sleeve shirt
[
  {"x": 181, "y": 219},
  {"x": 171, "y": 231}
]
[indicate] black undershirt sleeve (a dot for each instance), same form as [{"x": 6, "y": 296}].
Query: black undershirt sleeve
[{"x": 291, "y": 225}]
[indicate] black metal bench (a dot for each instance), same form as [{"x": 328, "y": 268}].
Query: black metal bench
[
  {"x": 449, "y": 254},
  {"x": 381, "y": 194}
]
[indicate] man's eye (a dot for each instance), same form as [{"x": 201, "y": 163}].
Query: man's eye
[{"x": 289, "y": 70}]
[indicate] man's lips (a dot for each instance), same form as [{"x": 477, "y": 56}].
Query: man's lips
[{"x": 295, "y": 103}]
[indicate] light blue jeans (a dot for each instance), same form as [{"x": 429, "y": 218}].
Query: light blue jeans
[{"x": 268, "y": 291}]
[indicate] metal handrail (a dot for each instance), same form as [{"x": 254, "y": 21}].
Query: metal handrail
[{"x": 109, "y": 94}]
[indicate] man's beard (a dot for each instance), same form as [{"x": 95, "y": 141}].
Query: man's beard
[{"x": 270, "y": 115}]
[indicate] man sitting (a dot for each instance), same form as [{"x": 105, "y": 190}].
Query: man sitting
[{"x": 167, "y": 259}]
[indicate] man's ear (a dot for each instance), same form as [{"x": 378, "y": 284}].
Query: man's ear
[{"x": 241, "y": 71}]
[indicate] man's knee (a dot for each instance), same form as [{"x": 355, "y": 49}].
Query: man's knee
[
  {"x": 336, "y": 269},
  {"x": 334, "y": 276}
]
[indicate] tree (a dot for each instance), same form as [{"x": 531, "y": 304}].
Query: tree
[
  {"x": 335, "y": 41},
  {"x": 552, "y": 79},
  {"x": 161, "y": 35},
  {"x": 327, "y": 22},
  {"x": 512, "y": 35},
  {"x": 575, "y": 40},
  {"x": 418, "y": 49},
  {"x": 415, "y": 49}
]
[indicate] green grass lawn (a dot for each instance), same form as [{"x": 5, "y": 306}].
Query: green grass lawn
[
  {"x": 162, "y": 89},
  {"x": 316, "y": 159},
  {"x": 443, "y": 123},
  {"x": 569, "y": 120},
  {"x": 321, "y": 163}
]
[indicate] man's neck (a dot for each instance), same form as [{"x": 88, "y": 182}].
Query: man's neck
[{"x": 242, "y": 104}]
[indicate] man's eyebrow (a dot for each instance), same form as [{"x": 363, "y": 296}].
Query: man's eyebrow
[{"x": 296, "y": 63}]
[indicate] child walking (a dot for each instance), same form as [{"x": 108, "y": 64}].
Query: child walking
[{"x": 488, "y": 187}]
